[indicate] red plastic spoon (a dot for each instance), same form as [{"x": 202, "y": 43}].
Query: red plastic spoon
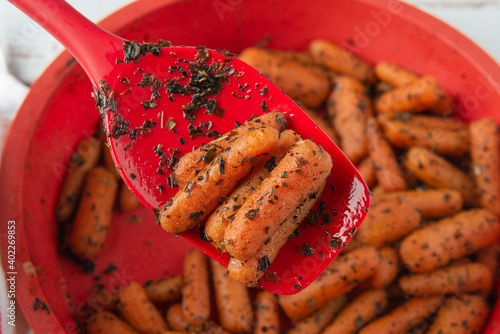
[{"x": 141, "y": 91}]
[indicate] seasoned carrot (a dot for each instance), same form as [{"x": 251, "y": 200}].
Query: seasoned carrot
[
  {"x": 248, "y": 272},
  {"x": 192, "y": 163},
  {"x": 217, "y": 222},
  {"x": 394, "y": 75},
  {"x": 386, "y": 166},
  {"x": 108, "y": 160},
  {"x": 316, "y": 322},
  {"x": 455, "y": 279},
  {"x": 485, "y": 153},
  {"x": 436, "y": 122},
  {"x": 365, "y": 168},
  {"x": 166, "y": 290},
  {"x": 303, "y": 82},
  {"x": 94, "y": 213},
  {"x": 176, "y": 319},
  {"x": 439, "y": 173},
  {"x": 405, "y": 135},
  {"x": 436, "y": 244},
  {"x": 461, "y": 315},
  {"x": 340, "y": 60},
  {"x": 388, "y": 220},
  {"x": 303, "y": 57},
  {"x": 195, "y": 293},
  {"x": 419, "y": 95},
  {"x": 489, "y": 256},
  {"x": 404, "y": 317},
  {"x": 126, "y": 199},
  {"x": 82, "y": 160},
  {"x": 296, "y": 177},
  {"x": 323, "y": 125},
  {"x": 232, "y": 299},
  {"x": 139, "y": 311},
  {"x": 107, "y": 323},
  {"x": 267, "y": 316},
  {"x": 444, "y": 106},
  {"x": 431, "y": 203},
  {"x": 358, "y": 312},
  {"x": 191, "y": 205},
  {"x": 341, "y": 276},
  {"x": 348, "y": 108},
  {"x": 387, "y": 269}
]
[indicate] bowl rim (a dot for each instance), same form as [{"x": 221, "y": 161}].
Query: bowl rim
[{"x": 22, "y": 128}]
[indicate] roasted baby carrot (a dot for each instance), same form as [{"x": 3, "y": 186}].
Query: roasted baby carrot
[
  {"x": 455, "y": 279},
  {"x": 386, "y": 166},
  {"x": 316, "y": 322},
  {"x": 388, "y": 220},
  {"x": 323, "y": 125},
  {"x": 340, "y": 60},
  {"x": 139, "y": 311},
  {"x": 232, "y": 300},
  {"x": 461, "y": 315},
  {"x": 485, "y": 154},
  {"x": 248, "y": 272},
  {"x": 126, "y": 199},
  {"x": 405, "y": 135},
  {"x": 296, "y": 177},
  {"x": 489, "y": 257},
  {"x": 94, "y": 213},
  {"x": 341, "y": 276},
  {"x": 439, "y": 173},
  {"x": 436, "y": 122},
  {"x": 176, "y": 320},
  {"x": 192, "y": 163},
  {"x": 192, "y": 204},
  {"x": 358, "y": 313},
  {"x": 404, "y": 317},
  {"x": 107, "y": 323},
  {"x": 365, "y": 168},
  {"x": 431, "y": 203},
  {"x": 166, "y": 290},
  {"x": 267, "y": 316},
  {"x": 217, "y": 222},
  {"x": 195, "y": 293},
  {"x": 418, "y": 96},
  {"x": 82, "y": 160},
  {"x": 436, "y": 244},
  {"x": 394, "y": 75},
  {"x": 348, "y": 108},
  {"x": 387, "y": 269},
  {"x": 304, "y": 83}
]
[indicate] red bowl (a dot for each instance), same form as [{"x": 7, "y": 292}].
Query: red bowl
[{"x": 59, "y": 112}]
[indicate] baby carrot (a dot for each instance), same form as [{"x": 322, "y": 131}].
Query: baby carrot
[
  {"x": 338, "y": 59},
  {"x": 436, "y": 244},
  {"x": 232, "y": 300},
  {"x": 139, "y": 311},
  {"x": 303, "y": 82},
  {"x": 404, "y": 317},
  {"x": 82, "y": 160},
  {"x": 323, "y": 125},
  {"x": 386, "y": 166},
  {"x": 365, "y": 168},
  {"x": 217, "y": 222},
  {"x": 126, "y": 199},
  {"x": 316, "y": 322},
  {"x": 418, "y": 96},
  {"x": 176, "y": 320},
  {"x": 388, "y": 220},
  {"x": 485, "y": 153},
  {"x": 387, "y": 269},
  {"x": 267, "y": 316},
  {"x": 436, "y": 122},
  {"x": 165, "y": 290},
  {"x": 455, "y": 279},
  {"x": 489, "y": 257},
  {"x": 94, "y": 213},
  {"x": 202, "y": 194},
  {"x": 192, "y": 163},
  {"x": 341, "y": 276},
  {"x": 394, "y": 75},
  {"x": 297, "y": 176},
  {"x": 461, "y": 315},
  {"x": 107, "y": 323},
  {"x": 195, "y": 293},
  {"x": 439, "y": 173},
  {"x": 358, "y": 313}
]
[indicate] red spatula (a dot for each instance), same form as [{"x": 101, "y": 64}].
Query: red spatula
[{"x": 141, "y": 93}]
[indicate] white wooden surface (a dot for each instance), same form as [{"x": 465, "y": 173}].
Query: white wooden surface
[{"x": 26, "y": 50}]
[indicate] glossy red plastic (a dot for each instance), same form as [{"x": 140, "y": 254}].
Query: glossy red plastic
[{"x": 59, "y": 112}]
